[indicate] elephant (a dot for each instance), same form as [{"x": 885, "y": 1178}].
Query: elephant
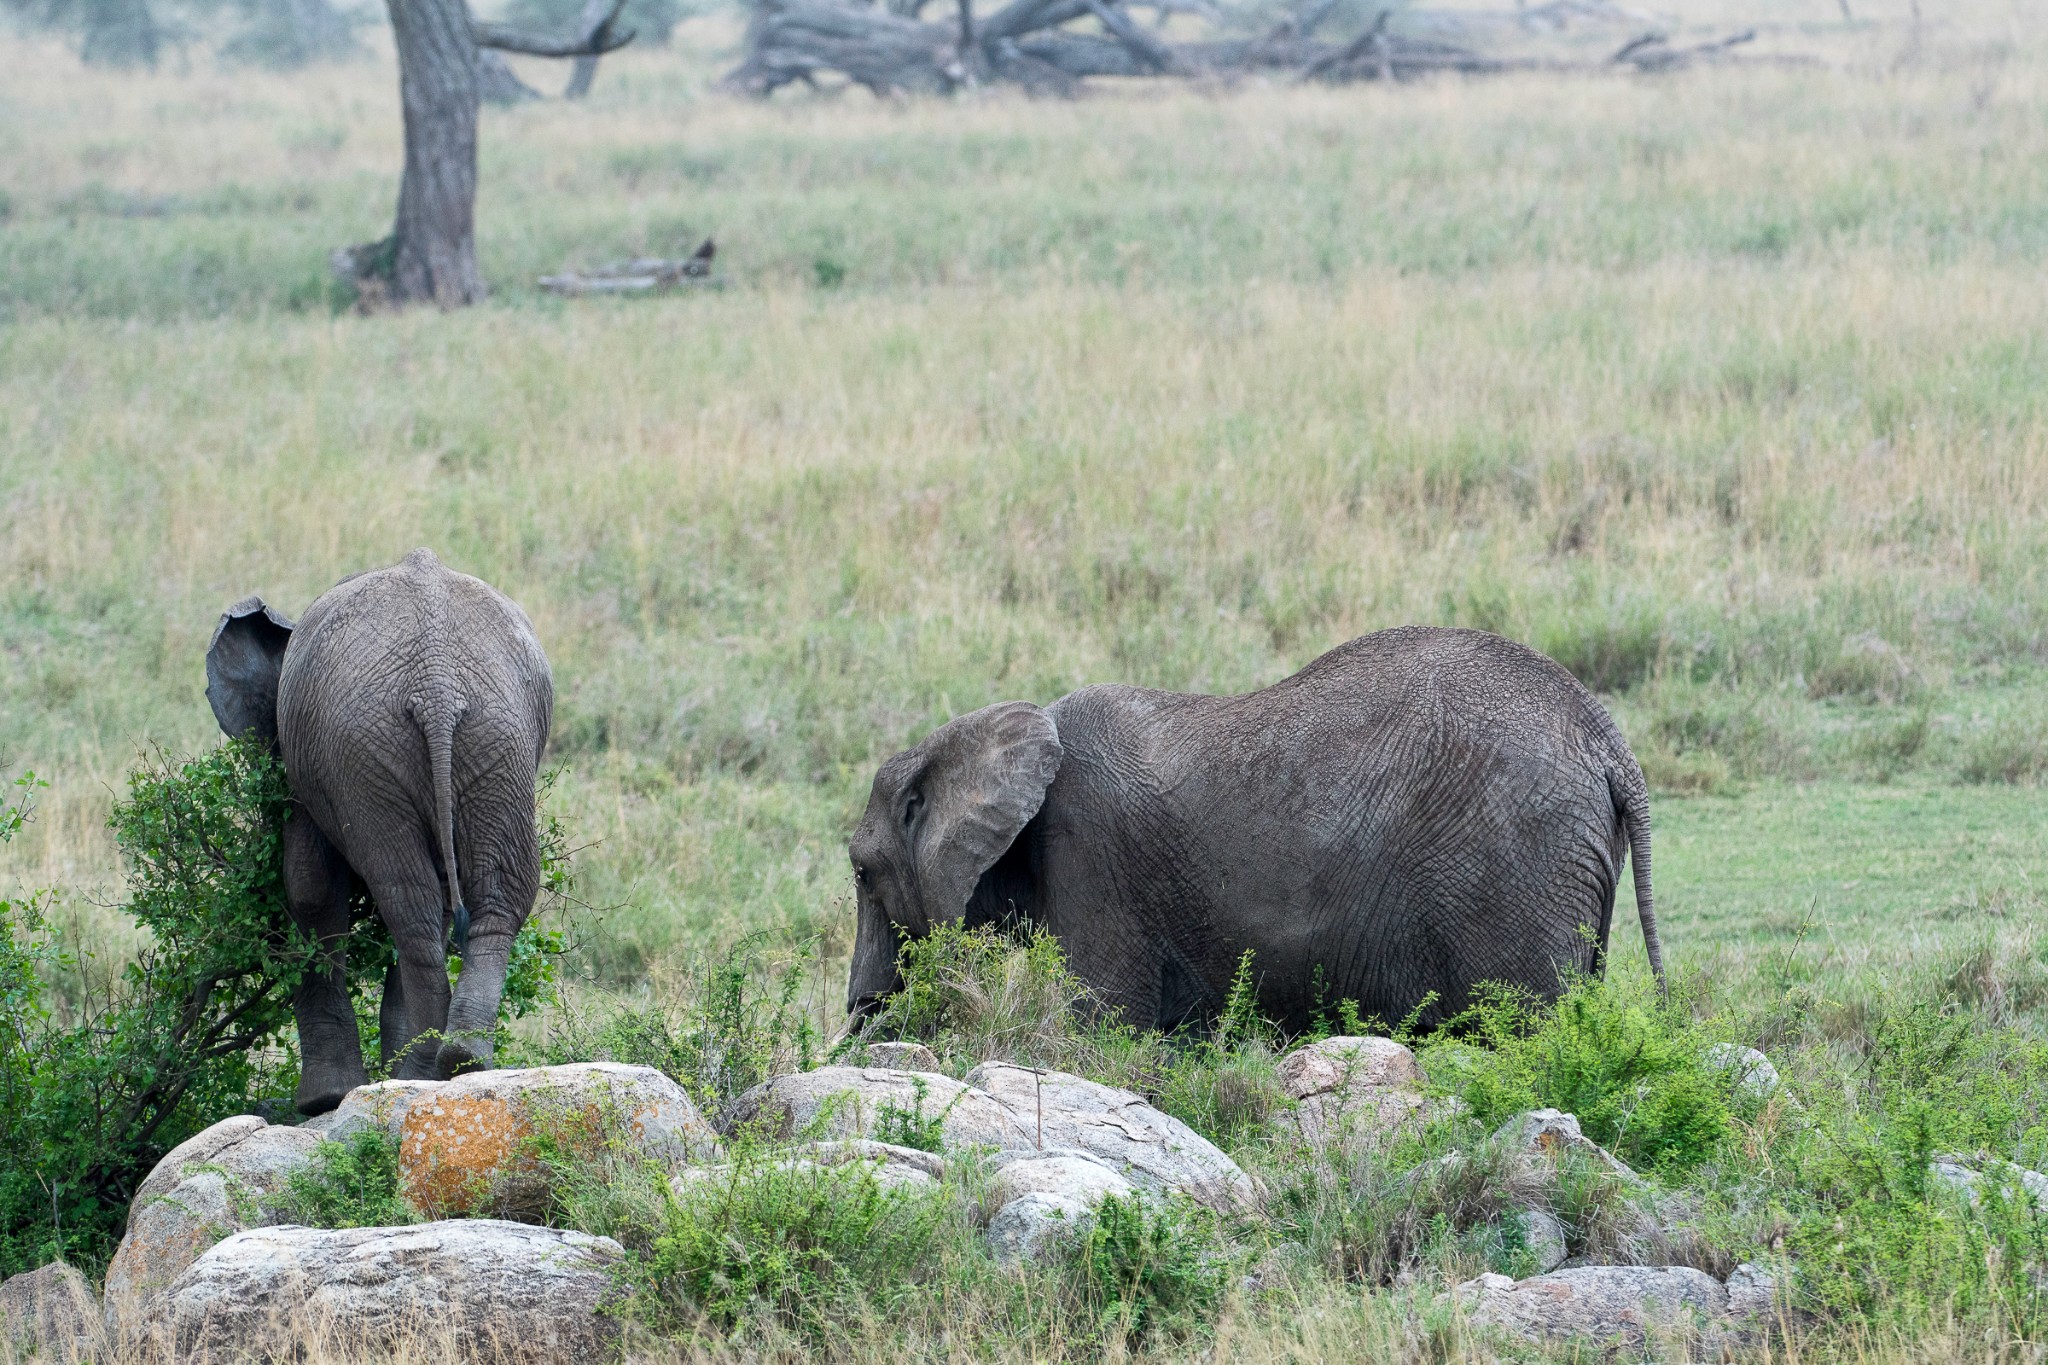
[
  {"x": 1414, "y": 814},
  {"x": 411, "y": 707}
]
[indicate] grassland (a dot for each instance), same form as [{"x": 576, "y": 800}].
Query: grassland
[
  {"x": 1729, "y": 389},
  {"x": 1725, "y": 389}
]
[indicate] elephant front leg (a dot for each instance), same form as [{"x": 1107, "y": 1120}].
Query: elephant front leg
[{"x": 316, "y": 886}]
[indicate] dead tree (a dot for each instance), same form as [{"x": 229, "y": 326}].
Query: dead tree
[
  {"x": 430, "y": 255},
  {"x": 889, "y": 49}
]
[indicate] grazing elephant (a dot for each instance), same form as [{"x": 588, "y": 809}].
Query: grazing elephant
[
  {"x": 1413, "y": 814},
  {"x": 410, "y": 706}
]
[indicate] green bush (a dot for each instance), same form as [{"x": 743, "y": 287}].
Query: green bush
[
  {"x": 798, "y": 1246},
  {"x": 1153, "y": 1268},
  {"x": 352, "y": 1184},
  {"x": 199, "y": 1027},
  {"x": 1632, "y": 1066}
]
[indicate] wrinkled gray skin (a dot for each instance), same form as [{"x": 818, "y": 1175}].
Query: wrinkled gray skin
[
  {"x": 1420, "y": 810},
  {"x": 411, "y": 706}
]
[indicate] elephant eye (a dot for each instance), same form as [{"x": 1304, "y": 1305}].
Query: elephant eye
[
  {"x": 912, "y": 806},
  {"x": 860, "y": 874}
]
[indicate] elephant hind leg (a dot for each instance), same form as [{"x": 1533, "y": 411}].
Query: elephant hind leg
[
  {"x": 501, "y": 886},
  {"x": 316, "y": 887},
  {"x": 406, "y": 886}
]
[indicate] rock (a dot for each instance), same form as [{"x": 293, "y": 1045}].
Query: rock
[
  {"x": 209, "y": 1186},
  {"x": 893, "y": 1167},
  {"x": 1337, "y": 1064},
  {"x": 1035, "y": 1226},
  {"x": 1543, "y": 1237},
  {"x": 504, "y": 1292},
  {"x": 462, "y": 1143},
  {"x": 366, "y": 1107},
  {"x": 1351, "y": 1090},
  {"x": 1754, "y": 1075},
  {"x": 854, "y": 1101},
  {"x": 1065, "y": 1172},
  {"x": 1153, "y": 1150},
  {"x": 1629, "y": 1307},
  {"x": 50, "y": 1314},
  {"x": 902, "y": 1056},
  {"x": 1553, "y": 1135},
  {"x": 1961, "y": 1174}
]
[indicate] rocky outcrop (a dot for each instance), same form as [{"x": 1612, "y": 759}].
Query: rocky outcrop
[
  {"x": 1970, "y": 1176},
  {"x": 1153, "y": 1150},
  {"x": 381, "y": 1106},
  {"x": 464, "y": 1145},
  {"x": 1621, "y": 1309},
  {"x": 1350, "y": 1091},
  {"x": 215, "y": 1184},
  {"x": 503, "y": 1292},
  {"x": 50, "y": 1315},
  {"x": 1042, "y": 1200},
  {"x": 860, "y": 1101},
  {"x": 1552, "y": 1136},
  {"x": 1061, "y": 1171},
  {"x": 1036, "y": 1226}
]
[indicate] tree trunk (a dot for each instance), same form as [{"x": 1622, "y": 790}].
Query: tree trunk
[{"x": 434, "y": 239}]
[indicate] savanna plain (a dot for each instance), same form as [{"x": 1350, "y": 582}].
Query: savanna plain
[{"x": 1727, "y": 388}]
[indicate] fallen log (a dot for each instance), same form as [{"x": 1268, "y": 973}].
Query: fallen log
[
  {"x": 640, "y": 275},
  {"x": 887, "y": 48}
]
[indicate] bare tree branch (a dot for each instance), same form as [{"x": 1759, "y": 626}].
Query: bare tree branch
[{"x": 592, "y": 42}]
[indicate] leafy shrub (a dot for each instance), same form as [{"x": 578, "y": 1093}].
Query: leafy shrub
[
  {"x": 799, "y": 1246},
  {"x": 913, "y": 1127},
  {"x": 1153, "y": 1268},
  {"x": 198, "y": 1028},
  {"x": 352, "y": 1184},
  {"x": 1634, "y": 1069}
]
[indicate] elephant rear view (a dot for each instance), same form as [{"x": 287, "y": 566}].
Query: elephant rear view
[
  {"x": 1414, "y": 814},
  {"x": 411, "y": 707}
]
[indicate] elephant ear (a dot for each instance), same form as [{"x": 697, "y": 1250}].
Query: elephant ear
[
  {"x": 986, "y": 778},
  {"x": 242, "y": 667}
]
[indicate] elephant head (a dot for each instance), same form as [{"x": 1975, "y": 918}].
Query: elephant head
[
  {"x": 242, "y": 668},
  {"x": 940, "y": 815}
]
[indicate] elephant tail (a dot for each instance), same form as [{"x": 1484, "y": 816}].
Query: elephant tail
[
  {"x": 1632, "y": 803},
  {"x": 437, "y": 726}
]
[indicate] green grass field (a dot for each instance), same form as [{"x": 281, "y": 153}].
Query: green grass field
[{"x": 1728, "y": 389}]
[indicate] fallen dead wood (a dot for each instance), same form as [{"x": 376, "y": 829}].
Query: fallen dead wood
[
  {"x": 888, "y": 49},
  {"x": 640, "y": 275}
]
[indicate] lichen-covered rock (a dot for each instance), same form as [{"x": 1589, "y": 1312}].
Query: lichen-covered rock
[
  {"x": 1967, "y": 1175},
  {"x": 49, "y": 1314},
  {"x": 1062, "y": 1171},
  {"x": 902, "y": 1056},
  {"x": 208, "y": 1187},
  {"x": 380, "y": 1106},
  {"x": 857, "y": 1101},
  {"x": 464, "y": 1145},
  {"x": 1620, "y": 1308},
  {"x": 504, "y": 1292},
  {"x": 1151, "y": 1149},
  {"x": 1034, "y": 1226},
  {"x": 1336, "y": 1064}
]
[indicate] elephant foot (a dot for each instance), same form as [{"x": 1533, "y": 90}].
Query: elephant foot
[
  {"x": 323, "y": 1088},
  {"x": 458, "y": 1055}
]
